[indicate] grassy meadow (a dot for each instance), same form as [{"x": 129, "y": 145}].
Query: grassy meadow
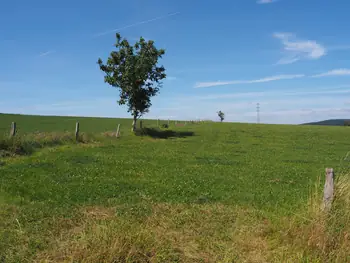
[{"x": 204, "y": 192}]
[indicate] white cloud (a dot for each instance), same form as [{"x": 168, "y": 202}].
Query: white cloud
[
  {"x": 297, "y": 49},
  {"x": 234, "y": 82},
  {"x": 47, "y": 53},
  {"x": 136, "y": 24},
  {"x": 266, "y": 1},
  {"x": 334, "y": 72}
]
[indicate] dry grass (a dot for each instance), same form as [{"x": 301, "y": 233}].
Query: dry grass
[
  {"x": 27, "y": 144},
  {"x": 314, "y": 235},
  {"x": 171, "y": 233},
  {"x": 110, "y": 134},
  {"x": 207, "y": 233}
]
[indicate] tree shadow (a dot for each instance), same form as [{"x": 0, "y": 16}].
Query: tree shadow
[{"x": 163, "y": 134}]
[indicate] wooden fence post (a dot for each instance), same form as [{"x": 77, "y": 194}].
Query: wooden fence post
[
  {"x": 77, "y": 131},
  {"x": 328, "y": 189},
  {"x": 117, "y": 134},
  {"x": 140, "y": 124},
  {"x": 13, "y": 129}
]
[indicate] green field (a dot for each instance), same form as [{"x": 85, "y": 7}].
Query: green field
[
  {"x": 30, "y": 124},
  {"x": 206, "y": 192}
]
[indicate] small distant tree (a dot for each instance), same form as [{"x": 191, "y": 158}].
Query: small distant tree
[
  {"x": 346, "y": 123},
  {"x": 134, "y": 71},
  {"x": 221, "y": 115}
]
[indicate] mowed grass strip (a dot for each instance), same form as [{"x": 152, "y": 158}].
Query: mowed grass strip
[{"x": 139, "y": 181}]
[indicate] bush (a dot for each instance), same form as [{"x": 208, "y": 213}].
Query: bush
[{"x": 166, "y": 126}]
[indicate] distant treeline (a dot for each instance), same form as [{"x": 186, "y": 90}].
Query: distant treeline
[{"x": 335, "y": 122}]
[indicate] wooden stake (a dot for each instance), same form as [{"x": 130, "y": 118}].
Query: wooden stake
[
  {"x": 117, "y": 134},
  {"x": 13, "y": 129},
  {"x": 328, "y": 189},
  {"x": 77, "y": 131}
]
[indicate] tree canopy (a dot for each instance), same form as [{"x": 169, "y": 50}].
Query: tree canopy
[
  {"x": 221, "y": 115},
  {"x": 134, "y": 71}
]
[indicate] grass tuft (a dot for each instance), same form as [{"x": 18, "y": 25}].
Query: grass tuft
[
  {"x": 315, "y": 235},
  {"x": 27, "y": 144},
  {"x": 171, "y": 233}
]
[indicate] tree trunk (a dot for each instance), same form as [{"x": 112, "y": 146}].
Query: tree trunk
[{"x": 133, "y": 129}]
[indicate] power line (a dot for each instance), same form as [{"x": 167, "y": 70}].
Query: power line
[{"x": 258, "y": 113}]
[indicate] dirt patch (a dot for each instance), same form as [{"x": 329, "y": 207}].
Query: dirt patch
[{"x": 98, "y": 212}]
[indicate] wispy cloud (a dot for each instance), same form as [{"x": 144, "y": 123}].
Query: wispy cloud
[
  {"x": 334, "y": 72},
  {"x": 47, "y": 53},
  {"x": 266, "y": 1},
  {"x": 171, "y": 78},
  {"x": 234, "y": 82},
  {"x": 298, "y": 49},
  {"x": 260, "y": 94},
  {"x": 275, "y": 107},
  {"x": 136, "y": 24},
  {"x": 298, "y": 113}
]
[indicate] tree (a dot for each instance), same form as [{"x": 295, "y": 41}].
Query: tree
[
  {"x": 134, "y": 71},
  {"x": 221, "y": 115}
]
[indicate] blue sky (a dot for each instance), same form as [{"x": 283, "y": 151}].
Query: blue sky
[{"x": 291, "y": 56}]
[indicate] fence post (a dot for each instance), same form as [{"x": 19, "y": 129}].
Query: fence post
[
  {"x": 13, "y": 129},
  {"x": 140, "y": 124},
  {"x": 117, "y": 134},
  {"x": 77, "y": 131},
  {"x": 328, "y": 189}
]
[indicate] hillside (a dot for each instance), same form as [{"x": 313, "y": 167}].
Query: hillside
[
  {"x": 208, "y": 192},
  {"x": 332, "y": 122}
]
